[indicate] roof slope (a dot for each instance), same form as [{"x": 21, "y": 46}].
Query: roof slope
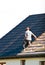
[{"x": 12, "y": 43}]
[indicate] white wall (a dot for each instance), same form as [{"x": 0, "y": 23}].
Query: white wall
[
  {"x": 32, "y": 62},
  {"x": 11, "y": 62},
  {"x": 16, "y": 62}
]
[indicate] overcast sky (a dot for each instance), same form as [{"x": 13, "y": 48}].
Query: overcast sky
[{"x": 12, "y": 12}]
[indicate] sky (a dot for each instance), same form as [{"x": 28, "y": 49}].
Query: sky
[{"x": 12, "y": 12}]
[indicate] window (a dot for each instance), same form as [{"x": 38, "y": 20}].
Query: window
[
  {"x": 42, "y": 62},
  {"x": 22, "y": 62},
  {"x": 2, "y": 63}
]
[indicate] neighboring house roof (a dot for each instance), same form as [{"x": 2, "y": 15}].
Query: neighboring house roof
[{"x": 12, "y": 43}]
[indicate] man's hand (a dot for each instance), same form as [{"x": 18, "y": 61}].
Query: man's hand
[{"x": 38, "y": 39}]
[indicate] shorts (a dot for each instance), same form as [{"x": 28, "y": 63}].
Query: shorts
[{"x": 26, "y": 43}]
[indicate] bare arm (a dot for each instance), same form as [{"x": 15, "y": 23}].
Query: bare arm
[{"x": 34, "y": 36}]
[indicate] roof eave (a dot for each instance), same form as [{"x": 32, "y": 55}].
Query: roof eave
[{"x": 26, "y": 55}]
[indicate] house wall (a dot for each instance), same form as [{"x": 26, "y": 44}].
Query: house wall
[
  {"x": 11, "y": 62},
  {"x": 29, "y": 61},
  {"x": 34, "y": 61}
]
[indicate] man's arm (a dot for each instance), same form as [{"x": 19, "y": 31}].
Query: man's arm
[{"x": 34, "y": 36}]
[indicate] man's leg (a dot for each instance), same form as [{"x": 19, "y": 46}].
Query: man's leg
[
  {"x": 29, "y": 42},
  {"x": 25, "y": 43}
]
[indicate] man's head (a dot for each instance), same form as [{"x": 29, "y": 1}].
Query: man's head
[{"x": 27, "y": 28}]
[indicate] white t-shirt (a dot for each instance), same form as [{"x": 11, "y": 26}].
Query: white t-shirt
[{"x": 28, "y": 35}]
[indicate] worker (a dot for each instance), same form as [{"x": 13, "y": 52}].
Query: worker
[{"x": 28, "y": 37}]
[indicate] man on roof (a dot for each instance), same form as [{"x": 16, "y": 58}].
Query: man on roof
[{"x": 28, "y": 37}]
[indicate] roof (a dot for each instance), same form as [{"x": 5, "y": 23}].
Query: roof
[{"x": 12, "y": 43}]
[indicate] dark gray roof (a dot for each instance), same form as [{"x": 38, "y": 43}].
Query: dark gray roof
[{"x": 12, "y": 43}]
